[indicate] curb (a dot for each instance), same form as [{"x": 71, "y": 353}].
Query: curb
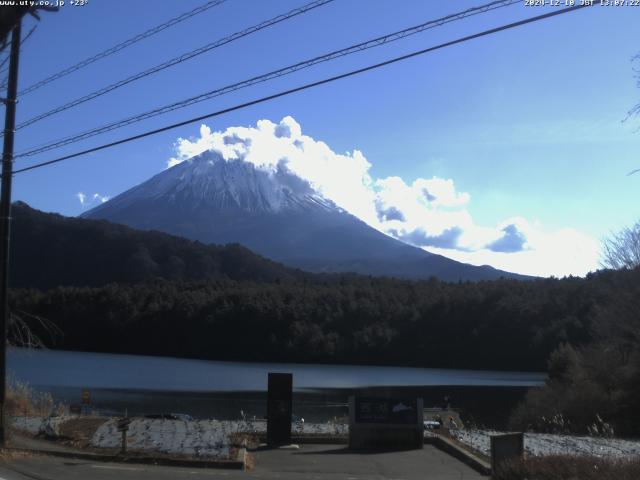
[
  {"x": 238, "y": 464},
  {"x": 310, "y": 439},
  {"x": 441, "y": 443},
  {"x": 324, "y": 440}
]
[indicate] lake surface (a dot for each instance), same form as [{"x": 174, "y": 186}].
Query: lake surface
[
  {"x": 55, "y": 368},
  {"x": 204, "y": 389}
]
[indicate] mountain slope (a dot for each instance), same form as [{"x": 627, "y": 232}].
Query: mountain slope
[
  {"x": 48, "y": 250},
  {"x": 275, "y": 214}
]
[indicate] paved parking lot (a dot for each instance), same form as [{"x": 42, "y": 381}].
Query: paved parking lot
[
  {"x": 336, "y": 462},
  {"x": 310, "y": 462}
]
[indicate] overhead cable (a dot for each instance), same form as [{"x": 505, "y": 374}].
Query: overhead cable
[
  {"x": 121, "y": 46},
  {"x": 175, "y": 61},
  {"x": 392, "y": 37},
  {"x": 307, "y": 86}
]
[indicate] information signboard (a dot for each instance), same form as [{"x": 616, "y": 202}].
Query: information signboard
[
  {"x": 385, "y": 423},
  {"x": 386, "y": 410}
]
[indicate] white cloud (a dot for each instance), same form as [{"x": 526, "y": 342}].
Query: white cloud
[
  {"x": 560, "y": 253},
  {"x": 343, "y": 178},
  {"x": 429, "y": 212},
  {"x": 91, "y": 200},
  {"x": 99, "y": 198}
]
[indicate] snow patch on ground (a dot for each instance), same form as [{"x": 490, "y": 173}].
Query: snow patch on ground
[
  {"x": 551, "y": 444},
  {"x": 49, "y": 426},
  {"x": 211, "y": 438},
  {"x": 200, "y": 438},
  {"x": 297, "y": 428}
]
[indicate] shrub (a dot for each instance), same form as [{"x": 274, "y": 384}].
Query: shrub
[
  {"x": 565, "y": 467},
  {"x": 23, "y": 400}
]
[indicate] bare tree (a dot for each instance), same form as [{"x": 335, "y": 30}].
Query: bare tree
[
  {"x": 22, "y": 328},
  {"x": 622, "y": 249}
]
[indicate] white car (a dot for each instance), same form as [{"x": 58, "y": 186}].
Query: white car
[{"x": 431, "y": 424}]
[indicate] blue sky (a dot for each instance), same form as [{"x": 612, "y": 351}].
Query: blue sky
[{"x": 522, "y": 131}]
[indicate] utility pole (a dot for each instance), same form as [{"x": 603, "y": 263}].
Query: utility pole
[{"x": 5, "y": 216}]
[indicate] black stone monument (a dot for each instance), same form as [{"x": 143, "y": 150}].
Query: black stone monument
[{"x": 279, "y": 409}]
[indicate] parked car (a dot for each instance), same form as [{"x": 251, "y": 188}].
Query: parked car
[{"x": 432, "y": 424}]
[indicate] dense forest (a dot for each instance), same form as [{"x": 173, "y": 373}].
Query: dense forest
[{"x": 505, "y": 324}]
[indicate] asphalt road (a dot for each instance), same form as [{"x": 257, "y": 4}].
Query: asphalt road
[{"x": 310, "y": 462}]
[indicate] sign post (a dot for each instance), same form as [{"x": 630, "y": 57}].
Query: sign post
[
  {"x": 86, "y": 401},
  {"x": 123, "y": 426},
  {"x": 279, "y": 406}
]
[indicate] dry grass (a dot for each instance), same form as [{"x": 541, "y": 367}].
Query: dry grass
[
  {"x": 7, "y": 455},
  {"x": 78, "y": 432},
  {"x": 22, "y": 400},
  {"x": 565, "y": 467},
  {"x": 249, "y": 462},
  {"x": 248, "y": 439}
]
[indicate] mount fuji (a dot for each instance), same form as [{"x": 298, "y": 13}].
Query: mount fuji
[{"x": 276, "y": 214}]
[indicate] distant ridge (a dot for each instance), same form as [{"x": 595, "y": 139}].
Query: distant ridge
[{"x": 49, "y": 250}]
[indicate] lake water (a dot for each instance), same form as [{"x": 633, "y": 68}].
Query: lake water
[
  {"x": 47, "y": 368},
  {"x": 204, "y": 388}
]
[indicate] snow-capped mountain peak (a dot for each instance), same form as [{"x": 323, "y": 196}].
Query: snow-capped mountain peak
[
  {"x": 273, "y": 212},
  {"x": 209, "y": 181}
]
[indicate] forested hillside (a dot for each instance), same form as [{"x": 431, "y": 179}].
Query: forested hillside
[
  {"x": 594, "y": 386},
  {"x": 505, "y": 325},
  {"x": 48, "y": 250}
]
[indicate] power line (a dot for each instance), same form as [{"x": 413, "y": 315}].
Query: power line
[
  {"x": 269, "y": 76},
  {"x": 6, "y": 59},
  {"x": 5, "y": 69},
  {"x": 176, "y": 60},
  {"x": 308, "y": 86},
  {"x": 26, "y": 37},
  {"x": 122, "y": 45}
]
